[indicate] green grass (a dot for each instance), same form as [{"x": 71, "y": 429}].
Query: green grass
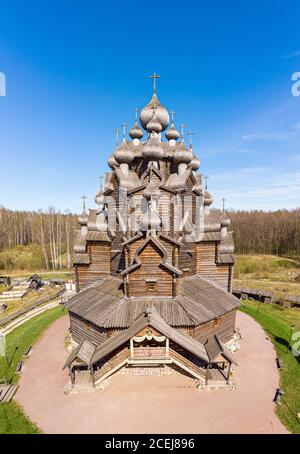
[
  {"x": 263, "y": 265},
  {"x": 268, "y": 272},
  {"x": 14, "y": 421},
  {"x": 12, "y": 418},
  {"x": 277, "y": 323}
]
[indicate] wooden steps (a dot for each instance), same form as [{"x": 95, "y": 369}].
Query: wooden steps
[
  {"x": 7, "y": 392},
  {"x": 17, "y": 292}
]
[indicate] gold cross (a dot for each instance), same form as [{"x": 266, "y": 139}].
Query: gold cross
[
  {"x": 84, "y": 197},
  {"x": 206, "y": 178},
  {"x": 154, "y": 77}
]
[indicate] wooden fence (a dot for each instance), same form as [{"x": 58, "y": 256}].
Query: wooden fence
[{"x": 43, "y": 300}]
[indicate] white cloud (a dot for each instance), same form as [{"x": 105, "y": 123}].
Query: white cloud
[
  {"x": 274, "y": 136},
  {"x": 257, "y": 188},
  {"x": 294, "y": 54}
]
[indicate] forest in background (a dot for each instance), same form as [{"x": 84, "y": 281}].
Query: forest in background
[{"x": 44, "y": 240}]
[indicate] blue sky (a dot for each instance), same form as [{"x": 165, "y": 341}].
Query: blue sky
[{"x": 76, "y": 70}]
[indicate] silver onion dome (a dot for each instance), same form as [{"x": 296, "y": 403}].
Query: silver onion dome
[
  {"x": 83, "y": 218},
  {"x": 172, "y": 133},
  {"x": 162, "y": 114},
  {"x": 208, "y": 198},
  {"x": 99, "y": 197},
  {"x": 152, "y": 149},
  {"x": 195, "y": 163},
  {"x": 112, "y": 162},
  {"x": 182, "y": 155},
  {"x": 154, "y": 125},
  {"x": 123, "y": 155},
  {"x": 136, "y": 132},
  {"x": 151, "y": 220},
  {"x": 225, "y": 221}
]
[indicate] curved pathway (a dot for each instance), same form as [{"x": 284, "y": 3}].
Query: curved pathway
[{"x": 165, "y": 404}]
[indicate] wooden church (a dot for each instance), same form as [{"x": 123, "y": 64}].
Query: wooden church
[{"x": 153, "y": 264}]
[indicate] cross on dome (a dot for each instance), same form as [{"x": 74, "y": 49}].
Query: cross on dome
[
  {"x": 154, "y": 76},
  {"x": 183, "y": 127},
  {"x": 172, "y": 112},
  {"x": 124, "y": 126},
  {"x": 206, "y": 178},
  {"x": 84, "y": 198},
  {"x": 190, "y": 134},
  {"x": 223, "y": 204}
]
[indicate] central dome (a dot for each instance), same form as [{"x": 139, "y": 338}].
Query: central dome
[{"x": 161, "y": 114}]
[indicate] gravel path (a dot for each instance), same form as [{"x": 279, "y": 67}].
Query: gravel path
[{"x": 165, "y": 404}]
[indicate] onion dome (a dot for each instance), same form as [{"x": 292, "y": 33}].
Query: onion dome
[
  {"x": 152, "y": 149},
  {"x": 83, "y": 218},
  {"x": 195, "y": 163},
  {"x": 172, "y": 133},
  {"x": 162, "y": 115},
  {"x": 151, "y": 191},
  {"x": 99, "y": 197},
  {"x": 122, "y": 154},
  {"x": 225, "y": 221},
  {"x": 154, "y": 125},
  {"x": 182, "y": 155},
  {"x": 151, "y": 220},
  {"x": 136, "y": 132},
  {"x": 208, "y": 198},
  {"x": 112, "y": 162}
]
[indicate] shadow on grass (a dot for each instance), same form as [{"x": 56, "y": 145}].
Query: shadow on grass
[{"x": 290, "y": 410}]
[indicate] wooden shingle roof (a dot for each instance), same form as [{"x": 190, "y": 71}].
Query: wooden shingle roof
[
  {"x": 84, "y": 351},
  {"x": 215, "y": 347},
  {"x": 198, "y": 301},
  {"x": 157, "y": 322}
]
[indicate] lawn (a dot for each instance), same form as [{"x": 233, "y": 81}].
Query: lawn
[
  {"x": 12, "y": 418},
  {"x": 278, "y": 274},
  {"x": 277, "y": 323}
]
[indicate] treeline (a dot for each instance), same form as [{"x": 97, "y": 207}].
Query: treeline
[
  {"x": 51, "y": 236},
  {"x": 52, "y": 231},
  {"x": 261, "y": 232}
]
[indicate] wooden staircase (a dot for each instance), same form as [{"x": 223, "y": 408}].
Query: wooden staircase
[
  {"x": 187, "y": 365},
  {"x": 115, "y": 363},
  {"x": 123, "y": 356},
  {"x": 7, "y": 392}
]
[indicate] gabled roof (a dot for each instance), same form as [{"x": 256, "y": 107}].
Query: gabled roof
[
  {"x": 215, "y": 347},
  {"x": 137, "y": 261},
  {"x": 84, "y": 351},
  {"x": 152, "y": 318}
]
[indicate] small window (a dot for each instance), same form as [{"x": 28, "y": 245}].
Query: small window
[{"x": 151, "y": 285}]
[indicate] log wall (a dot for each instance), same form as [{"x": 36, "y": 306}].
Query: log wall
[
  {"x": 207, "y": 267},
  {"x": 81, "y": 329},
  {"x": 222, "y": 326},
  {"x": 151, "y": 270}
]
